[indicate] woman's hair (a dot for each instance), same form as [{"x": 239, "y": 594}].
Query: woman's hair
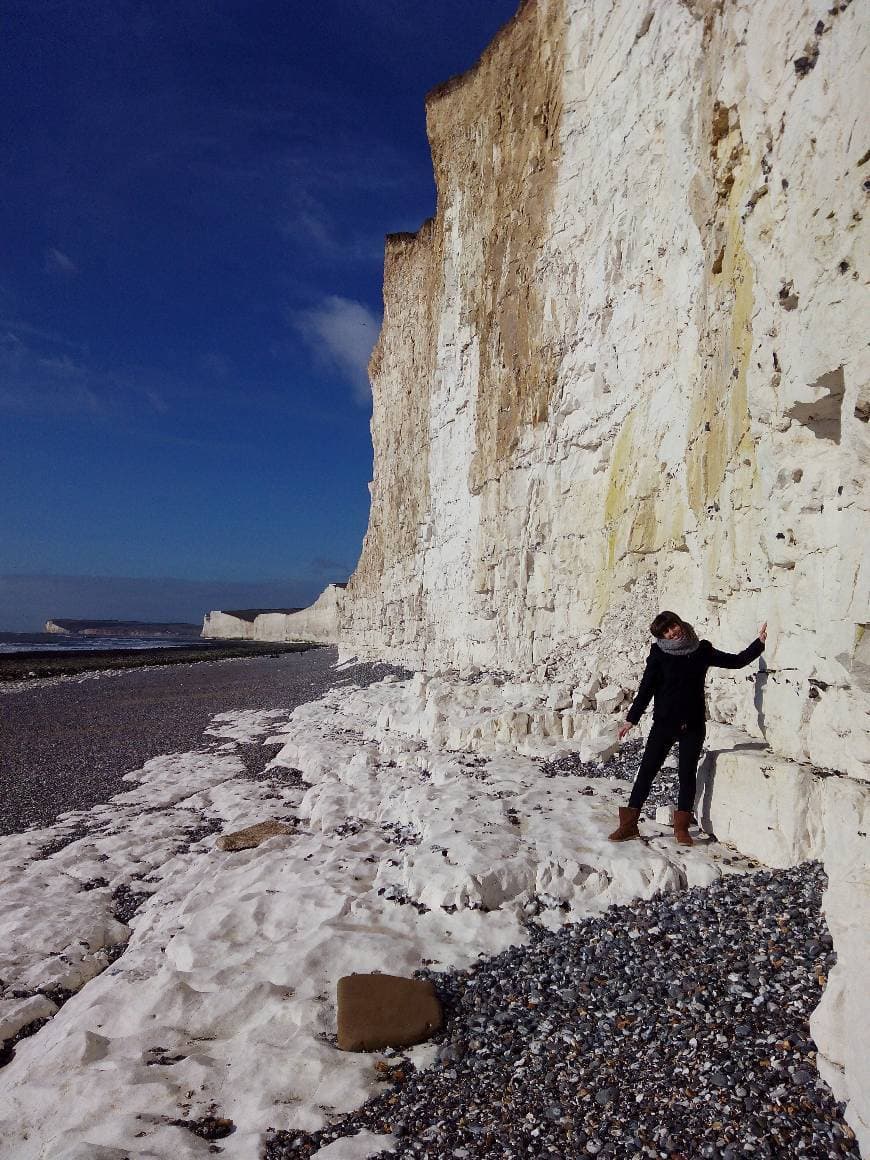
[{"x": 663, "y": 622}]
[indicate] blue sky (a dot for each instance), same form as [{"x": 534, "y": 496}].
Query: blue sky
[{"x": 194, "y": 196}]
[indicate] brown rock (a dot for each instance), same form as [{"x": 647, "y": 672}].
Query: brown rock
[
  {"x": 252, "y": 836},
  {"x": 377, "y": 1011}
]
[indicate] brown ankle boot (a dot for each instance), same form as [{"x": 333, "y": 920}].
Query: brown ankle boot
[
  {"x": 627, "y": 828},
  {"x": 682, "y": 818}
]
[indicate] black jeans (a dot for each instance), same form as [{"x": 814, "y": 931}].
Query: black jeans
[{"x": 658, "y": 745}]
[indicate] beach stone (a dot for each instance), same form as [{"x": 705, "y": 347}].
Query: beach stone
[
  {"x": 378, "y": 1011},
  {"x": 252, "y": 836},
  {"x": 608, "y": 698},
  {"x": 17, "y": 1013}
]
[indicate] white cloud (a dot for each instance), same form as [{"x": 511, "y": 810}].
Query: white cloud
[
  {"x": 343, "y": 333},
  {"x": 61, "y": 366},
  {"x": 310, "y": 226},
  {"x": 157, "y": 402},
  {"x": 39, "y": 377},
  {"x": 38, "y": 382},
  {"x": 57, "y": 262},
  {"x": 216, "y": 364},
  {"x": 14, "y": 327}
]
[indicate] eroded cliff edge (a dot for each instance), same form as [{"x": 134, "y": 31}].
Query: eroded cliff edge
[{"x": 623, "y": 367}]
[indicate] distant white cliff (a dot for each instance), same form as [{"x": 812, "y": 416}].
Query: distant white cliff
[
  {"x": 317, "y": 622},
  {"x": 120, "y": 628}
]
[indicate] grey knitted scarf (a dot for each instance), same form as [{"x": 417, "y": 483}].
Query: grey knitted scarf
[{"x": 682, "y": 647}]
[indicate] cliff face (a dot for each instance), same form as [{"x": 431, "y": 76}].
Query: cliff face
[
  {"x": 622, "y": 368},
  {"x": 285, "y": 624}
]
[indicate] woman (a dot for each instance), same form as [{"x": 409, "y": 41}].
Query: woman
[{"x": 674, "y": 678}]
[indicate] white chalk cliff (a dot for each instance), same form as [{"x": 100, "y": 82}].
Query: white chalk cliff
[
  {"x": 317, "y": 622},
  {"x": 624, "y": 368}
]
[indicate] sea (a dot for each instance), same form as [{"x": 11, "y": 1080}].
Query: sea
[{"x": 27, "y": 642}]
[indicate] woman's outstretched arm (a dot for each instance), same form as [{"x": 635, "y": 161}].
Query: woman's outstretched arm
[{"x": 724, "y": 660}]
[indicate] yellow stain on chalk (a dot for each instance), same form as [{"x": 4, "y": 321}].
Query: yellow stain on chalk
[{"x": 719, "y": 415}]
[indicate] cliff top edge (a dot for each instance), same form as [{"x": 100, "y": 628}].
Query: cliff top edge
[{"x": 445, "y": 88}]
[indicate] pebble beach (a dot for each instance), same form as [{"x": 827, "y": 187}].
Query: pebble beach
[
  {"x": 630, "y": 1000},
  {"x": 674, "y": 1028},
  {"x": 67, "y": 740}
]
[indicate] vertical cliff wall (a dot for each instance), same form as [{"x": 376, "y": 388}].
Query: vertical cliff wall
[{"x": 624, "y": 366}]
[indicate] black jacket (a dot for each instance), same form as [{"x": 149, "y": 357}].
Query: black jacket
[{"x": 677, "y": 683}]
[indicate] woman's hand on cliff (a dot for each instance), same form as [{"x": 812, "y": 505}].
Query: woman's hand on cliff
[
  {"x": 626, "y": 727},
  {"x": 762, "y": 632}
]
